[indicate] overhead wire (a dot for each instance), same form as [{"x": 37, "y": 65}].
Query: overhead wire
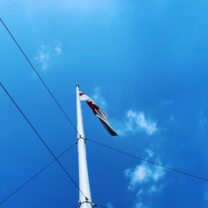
[
  {"x": 38, "y": 75},
  {"x": 74, "y": 127},
  {"x": 42, "y": 140},
  {"x": 46, "y": 166},
  {"x": 68, "y": 118},
  {"x": 148, "y": 161},
  {"x": 34, "y": 176}
]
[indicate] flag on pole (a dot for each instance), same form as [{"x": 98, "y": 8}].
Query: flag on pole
[{"x": 98, "y": 112}]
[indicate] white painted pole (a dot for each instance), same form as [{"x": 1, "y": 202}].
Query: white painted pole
[{"x": 84, "y": 185}]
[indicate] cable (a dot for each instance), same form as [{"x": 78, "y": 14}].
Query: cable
[
  {"x": 42, "y": 140},
  {"x": 149, "y": 161},
  {"x": 72, "y": 124},
  {"x": 19, "y": 188},
  {"x": 38, "y": 75}
]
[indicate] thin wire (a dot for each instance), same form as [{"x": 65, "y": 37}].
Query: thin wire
[
  {"x": 42, "y": 140},
  {"x": 19, "y": 188},
  {"x": 149, "y": 161},
  {"x": 72, "y": 124},
  {"x": 38, "y": 75},
  {"x": 52, "y": 96}
]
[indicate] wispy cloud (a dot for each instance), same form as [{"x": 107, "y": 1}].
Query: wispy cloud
[
  {"x": 43, "y": 57},
  {"x": 98, "y": 98},
  {"x": 144, "y": 173},
  {"x": 45, "y": 54},
  {"x": 58, "y": 50},
  {"x": 145, "y": 180},
  {"x": 135, "y": 122}
]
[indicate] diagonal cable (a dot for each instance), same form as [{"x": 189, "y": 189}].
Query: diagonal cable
[
  {"x": 38, "y": 75},
  {"x": 148, "y": 161},
  {"x": 41, "y": 139},
  {"x": 72, "y": 124},
  {"x": 20, "y": 187}
]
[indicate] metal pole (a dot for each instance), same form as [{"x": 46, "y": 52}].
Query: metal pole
[{"x": 84, "y": 185}]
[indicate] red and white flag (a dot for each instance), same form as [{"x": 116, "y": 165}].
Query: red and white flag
[{"x": 98, "y": 112}]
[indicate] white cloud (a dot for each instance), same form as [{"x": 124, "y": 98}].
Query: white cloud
[
  {"x": 58, "y": 50},
  {"x": 98, "y": 98},
  {"x": 46, "y": 54},
  {"x": 43, "y": 57},
  {"x": 143, "y": 174},
  {"x": 138, "y": 175},
  {"x": 135, "y": 122},
  {"x": 149, "y": 153},
  {"x": 145, "y": 180}
]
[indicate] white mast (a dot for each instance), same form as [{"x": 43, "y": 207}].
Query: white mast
[{"x": 84, "y": 185}]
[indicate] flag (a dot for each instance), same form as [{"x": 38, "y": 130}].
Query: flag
[{"x": 98, "y": 112}]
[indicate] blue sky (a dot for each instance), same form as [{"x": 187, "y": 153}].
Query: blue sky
[{"x": 144, "y": 62}]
